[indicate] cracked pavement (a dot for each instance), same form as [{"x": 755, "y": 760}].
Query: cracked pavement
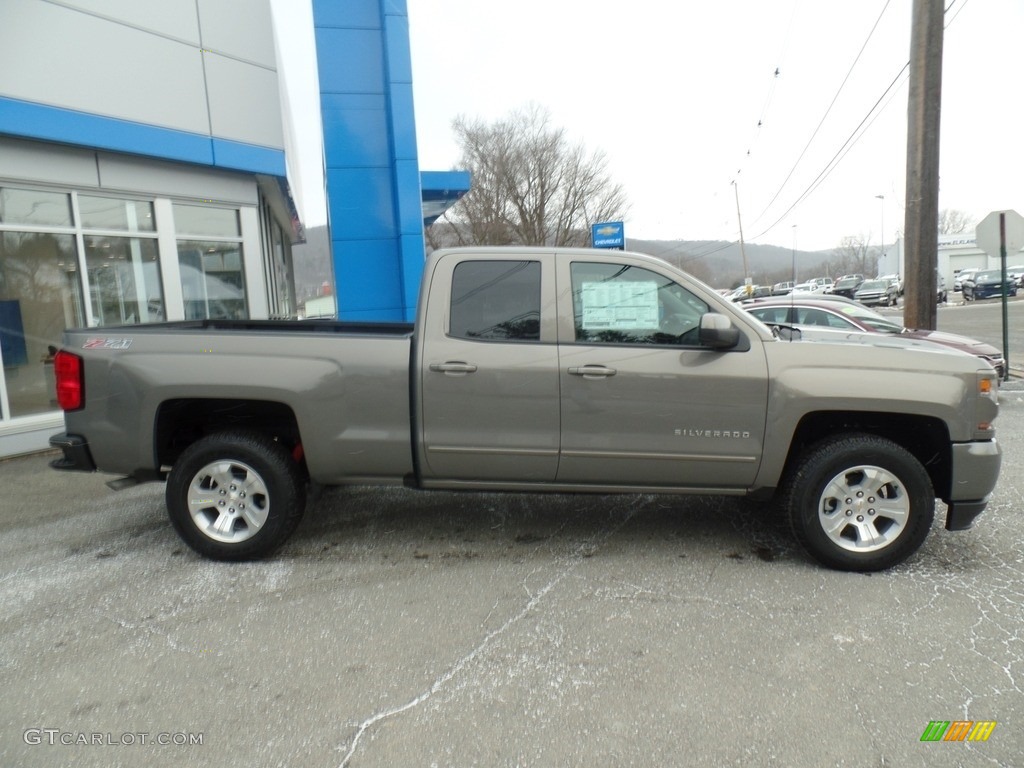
[{"x": 400, "y": 628}]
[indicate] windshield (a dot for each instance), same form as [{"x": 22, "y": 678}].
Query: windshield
[{"x": 874, "y": 285}]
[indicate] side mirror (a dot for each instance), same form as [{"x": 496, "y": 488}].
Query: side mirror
[{"x": 718, "y": 332}]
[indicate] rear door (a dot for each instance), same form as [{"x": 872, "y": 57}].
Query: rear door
[
  {"x": 643, "y": 403},
  {"x": 489, "y": 370}
]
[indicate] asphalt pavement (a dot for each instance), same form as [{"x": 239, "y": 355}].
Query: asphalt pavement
[{"x": 419, "y": 629}]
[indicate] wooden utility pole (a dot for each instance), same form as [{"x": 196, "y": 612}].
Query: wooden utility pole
[{"x": 921, "y": 226}]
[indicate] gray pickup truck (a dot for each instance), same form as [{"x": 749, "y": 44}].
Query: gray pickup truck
[{"x": 536, "y": 369}]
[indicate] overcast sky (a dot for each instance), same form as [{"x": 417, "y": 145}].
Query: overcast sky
[{"x": 673, "y": 94}]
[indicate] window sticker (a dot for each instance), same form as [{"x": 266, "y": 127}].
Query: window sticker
[{"x": 612, "y": 305}]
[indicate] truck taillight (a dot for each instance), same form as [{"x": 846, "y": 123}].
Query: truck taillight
[{"x": 67, "y": 369}]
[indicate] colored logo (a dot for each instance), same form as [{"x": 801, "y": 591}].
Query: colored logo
[{"x": 958, "y": 730}]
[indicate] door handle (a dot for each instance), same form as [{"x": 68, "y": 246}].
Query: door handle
[
  {"x": 453, "y": 367},
  {"x": 592, "y": 371}
]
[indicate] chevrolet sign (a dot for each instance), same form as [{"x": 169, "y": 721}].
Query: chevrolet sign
[{"x": 608, "y": 234}]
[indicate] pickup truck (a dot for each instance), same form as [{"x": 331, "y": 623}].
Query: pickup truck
[{"x": 536, "y": 369}]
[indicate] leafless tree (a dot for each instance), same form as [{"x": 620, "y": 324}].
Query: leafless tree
[
  {"x": 530, "y": 186},
  {"x": 954, "y": 222},
  {"x": 854, "y": 256}
]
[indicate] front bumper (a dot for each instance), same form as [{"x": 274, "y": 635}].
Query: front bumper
[
  {"x": 974, "y": 476},
  {"x": 76, "y": 453}
]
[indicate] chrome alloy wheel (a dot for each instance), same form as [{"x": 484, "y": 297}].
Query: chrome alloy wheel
[
  {"x": 228, "y": 501},
  {"x": 864, "y": 508}
]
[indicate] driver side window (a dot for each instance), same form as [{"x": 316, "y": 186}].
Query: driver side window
[{"x": 622, "y": 304}]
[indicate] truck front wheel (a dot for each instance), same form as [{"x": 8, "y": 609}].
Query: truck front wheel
[
  {"x": 860, "y": 503},
  {"x": 235, "y": 495}
]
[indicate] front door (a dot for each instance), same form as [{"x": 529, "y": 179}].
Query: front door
[{"x": 643, "y": 403}]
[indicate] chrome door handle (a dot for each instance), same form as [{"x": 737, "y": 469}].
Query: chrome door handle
[
  {"x": 598, "y": 371},
  {"x": 453, "y": 367}
]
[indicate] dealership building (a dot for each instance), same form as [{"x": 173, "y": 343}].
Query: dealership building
[{"x": 144, "y": 174}]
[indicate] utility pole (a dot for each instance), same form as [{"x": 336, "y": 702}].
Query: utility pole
[
  {"x": 743, "y": 253},
  {"x": 921, "y": 227}
]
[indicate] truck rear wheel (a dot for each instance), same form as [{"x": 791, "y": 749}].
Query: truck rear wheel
[
  {"x": 860, "y": 503},
  {"x": 235, "y": 495}
]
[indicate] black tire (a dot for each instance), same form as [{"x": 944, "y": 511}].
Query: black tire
[
  {"x": 256, "y": 494},
  {"x": 859, "y": 503}
]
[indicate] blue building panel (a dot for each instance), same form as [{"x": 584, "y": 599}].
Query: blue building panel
[
  {"x": 366, "y": 288},
  {"x": 359, "y": 130},
  {"x": 360, "y": 203},
  {"x": 246, "y": 157},
  {"x": 409, "y": 204},
  {"x": 375, "y": 211},
  {"x": 349, "y": 60},
  {"x": 404, "y": 122},
  {"x": 348, "y": 14},
  {"x": 46, "y": 123},
  {"x": 396, "y": 36}
]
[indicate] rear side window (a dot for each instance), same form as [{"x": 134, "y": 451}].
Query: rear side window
[{"x": 496, "y": 301}]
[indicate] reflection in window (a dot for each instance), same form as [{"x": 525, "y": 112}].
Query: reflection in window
[
  {"x": 205, "y": 220},
  {"x": 39, "y": 299},
  {"x": 212, "y": 280},
  {"x": 112, "y": 213},
  {"x": 496, "y": 300},
  {"x": 27, "y": 206},
  {"x": 622, "y": 304},
  {"x": 124, "y": 280}
]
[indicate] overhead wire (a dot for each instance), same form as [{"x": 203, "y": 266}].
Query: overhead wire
[{"x": 857, "y": 133}]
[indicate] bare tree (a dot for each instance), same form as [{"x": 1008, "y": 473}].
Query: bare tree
[
  {"x": 530, "y": 186},
  {"x": 854, "y": 256},
  {"x": 954, "y": 222}
]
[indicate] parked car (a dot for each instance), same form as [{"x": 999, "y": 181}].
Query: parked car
[
  {"x": 847, "y": 285},
  {"x": 877, "y": 292},
  {"x": 1016, "y": 273},
  {"x": 849, "y": 315},
  {"x": 987, "y": 284},
  {"x": 893, "y": 278},
  {"x": 746, "y": 292},
  {"x": 782, "y": 289},
  {"x": 962, "y": 276},
  {"x": 817, "y": 285}
]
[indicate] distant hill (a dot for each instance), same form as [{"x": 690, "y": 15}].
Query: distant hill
[
  {"x": 720, "y": 263},
  {"x": 716, "y": 262}
]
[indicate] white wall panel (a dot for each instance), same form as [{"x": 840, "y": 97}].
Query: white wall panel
[
  {"x": 244, "y": 102},
  {"x": 173, "y": 18},
  {"x": 47, "y": 163},
  {"x": 61, "y": 57},
  {"x": 247, "y": 34}
]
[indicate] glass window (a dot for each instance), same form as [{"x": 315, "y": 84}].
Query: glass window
[
  {"x": 112, "y": 213},
  {"x": 212, "y": 280},
  {"x": 206, "y": 220},
  {"x": 622, "y": 304},
  {"x": 124, "y": 280},
  {"x": 771, "y": 315},
  {"x": 26, "y": 206},
  {"x": 812, "y": 316},
  {"x": 39, "y": 298},
  {"x": 496, "y": 301}
]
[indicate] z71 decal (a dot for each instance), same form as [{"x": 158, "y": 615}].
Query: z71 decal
[{"x": 107, "y": 344}]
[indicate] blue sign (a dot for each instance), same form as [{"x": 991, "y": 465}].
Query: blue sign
[{"x": 609, "y": 234}]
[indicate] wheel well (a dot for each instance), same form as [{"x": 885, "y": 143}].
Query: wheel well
[
  {"x": 925, "y": 437},
  {"x": 179, "y": 423}
]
